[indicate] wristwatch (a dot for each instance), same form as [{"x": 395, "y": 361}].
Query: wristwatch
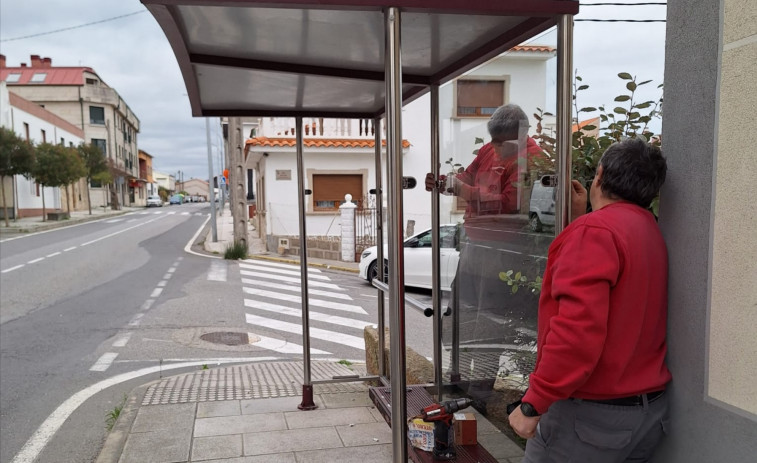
[{"x": 528, "y": 410}]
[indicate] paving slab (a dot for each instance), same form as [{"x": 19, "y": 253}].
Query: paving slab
[
  {"x": 332, "y": 417},
  {"x": 220, "y": 408},
  {"x": 239, "y": 424},
  {"x": 164, "y": 417},
  {"x": 369, "y": 454},
  {"x": 293, "y": 440},
  {"x": 347, "y": 399},
  {"x": 208, "y": 448},
  {"x": 275, "y": 404},
  {"x": 365, "y": 434},
  {"x": 157, "y": 447}
]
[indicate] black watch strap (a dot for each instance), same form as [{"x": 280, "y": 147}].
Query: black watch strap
[{"x": 528, "y": 410}]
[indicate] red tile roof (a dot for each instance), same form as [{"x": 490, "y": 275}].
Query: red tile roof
[
  {"x": 54, "y": 76},
  {"x": 533, "y": 48},
  {"x": 318, "y": 142},
  {"x": 593, "y": 121}
]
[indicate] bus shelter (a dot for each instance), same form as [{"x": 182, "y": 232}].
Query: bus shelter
[{"x": 366, "y": 59}]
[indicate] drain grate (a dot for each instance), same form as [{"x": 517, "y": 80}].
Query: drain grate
[{"x": 228, "y": 338}]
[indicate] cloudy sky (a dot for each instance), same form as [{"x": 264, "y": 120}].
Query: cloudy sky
[{"x": 131, "y": 54}]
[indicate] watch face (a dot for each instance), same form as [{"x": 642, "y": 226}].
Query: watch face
[{"x": 528, "y": 409}]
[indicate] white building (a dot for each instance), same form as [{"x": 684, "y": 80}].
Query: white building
[{"x": 35, "y": 124}]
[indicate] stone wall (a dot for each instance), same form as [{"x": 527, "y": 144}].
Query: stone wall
[{"x": 319, "y": 247}]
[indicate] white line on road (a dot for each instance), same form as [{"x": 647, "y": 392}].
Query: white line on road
[
  {"x": 162, "y": 283},
  {"x": 276, "y": 264},
  {"x": 104, "y": 362},
  {"x": 70, "y": 249},
  {"x": 263, "y": 268},
  {"x": 218, "y": 271},
  {"x": 34, "y": 446},
  {"x": 117, "y": 233},
  {"x": 167, "y": 276},
  {"x": 316, "y": 333},
  {"x": 294, "y": 280},
  {"x": 321, "y": 317},
  {"x": 122, "y": 340},
  {"x": 148, "y": 303},
  {"x": 296, "y": 288},
  {"x": 298, "y": 300},
  {"x": 53, "y": 254},
  {"x": 281, "y": 346},
  {"x": 156, "y": 292},
  {"x": 34, "y": 261},
  {"x": 172, "y": 269},
  {"x": 12, "y": 268},
  {"x": 135, "y": 321}
]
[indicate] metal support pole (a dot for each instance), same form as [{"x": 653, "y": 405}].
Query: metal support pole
[
  {"x": 211, "y": 191},
  {"x": 307, "y": 385},
  {"x": 436, "y": 292},
  {"x": 564, "y": 119},
  {"x": 393, "y": 79},
  {"x": 380, "y": 246}
]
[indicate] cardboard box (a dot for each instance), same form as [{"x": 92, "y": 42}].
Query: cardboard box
[{"x": 465, "y": 428}]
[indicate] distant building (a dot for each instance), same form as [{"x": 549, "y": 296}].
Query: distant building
[
  {"x": 196, "y": 187},
  {"x": 145, "y": 176},
  {"x": 79, "y": 96},
  {"x": 33, "y": 123},
  {"x": 164, "y": 181}
]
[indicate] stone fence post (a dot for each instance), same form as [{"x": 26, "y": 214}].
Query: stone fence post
[{"x": 347, "y": 211}]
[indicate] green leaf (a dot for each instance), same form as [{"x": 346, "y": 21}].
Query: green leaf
[
  {"x": 475, "y": 152},
  {"x": 646, "y": 104},
  {"x": 478, "y": 140},
  {"x": 582, "y": 87},
  {"x": 625, "y": 75},
  {"x": 515, "y": 289},
  {"x": 589, "y": 127},
  {"x": 645, "y": 82},
  {"x": 620, "y": 110},
  {"x": 578, "y": 78},
  {"x": 631, "y": 86},
  {"x": 509, "y": 273},
  {"x": 587, "y": 109},
  {"x": 517, "y": 276},
  {"x": 622, "y": 98},
  {"x": 503, "y": 276},
  {"x": 603, "y": 118}
]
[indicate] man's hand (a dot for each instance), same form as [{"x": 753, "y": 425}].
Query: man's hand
[
  {"x": 431, "y": 182},
  {"x": 578, "y": 200},
  {"x": 523, "y": 425}
]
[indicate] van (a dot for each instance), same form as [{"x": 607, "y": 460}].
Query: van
[{"x": 541, "y": 210}]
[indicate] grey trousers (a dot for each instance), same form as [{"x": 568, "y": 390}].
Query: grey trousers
[{"x": 576, "y": 431}]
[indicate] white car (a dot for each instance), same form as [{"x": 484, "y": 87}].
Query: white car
[
  {"x": 417, "y": 250},
  {"x": 154, "y": 201}
]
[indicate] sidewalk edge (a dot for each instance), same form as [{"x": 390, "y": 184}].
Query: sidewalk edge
[
  {"x": 115, "y": 442},
  {"x": 297, "y": 262}
]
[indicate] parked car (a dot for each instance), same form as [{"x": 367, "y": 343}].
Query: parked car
[
  {"x": 154, "y": 201},
  {"x": 176, "y": 199},
  {"x": 417, "y": 251},
  {"x": 541, "y": 210}
]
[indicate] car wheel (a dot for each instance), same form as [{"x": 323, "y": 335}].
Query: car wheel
[
  {"x": 373, "y": 271},
  {"x": 535, "y": 223}
]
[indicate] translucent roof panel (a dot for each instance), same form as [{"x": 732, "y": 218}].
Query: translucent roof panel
[{"x": 290, "y": 58}]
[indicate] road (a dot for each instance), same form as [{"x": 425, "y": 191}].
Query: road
[{"x": 91, "y": 311}]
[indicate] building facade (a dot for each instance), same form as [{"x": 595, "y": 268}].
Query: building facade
[{"x": 79, "y": 96}]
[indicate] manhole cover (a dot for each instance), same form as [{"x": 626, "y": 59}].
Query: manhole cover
[{"x": 226, "y": 337}]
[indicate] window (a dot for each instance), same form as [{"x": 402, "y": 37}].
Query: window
[
  {"x": 44, "y": 136},
  {"x": 479, "y": 98},
  {"x": 38, "y": 77},
  {"x": 329, "y": 190},
  {"x": 13, "y": 78},
  {"x": 91, "y": 81},
  {"x": 97, "y": 115},
  {"x": 62, "y": 141},
  {"x": 100, "y": 143},
  {"x": 26, "y": 130}
]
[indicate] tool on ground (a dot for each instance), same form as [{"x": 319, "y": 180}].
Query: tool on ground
[{"x": 441, "y": 415}]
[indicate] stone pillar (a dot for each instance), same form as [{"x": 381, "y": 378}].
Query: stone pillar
[
  {"x": 237, "y": 196},
  {"x": 347, "y": 211}
]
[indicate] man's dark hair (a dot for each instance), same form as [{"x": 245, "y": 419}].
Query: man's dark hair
[
  {"x": 507, "y": 121},
  {"x": 633, "y": 170}
]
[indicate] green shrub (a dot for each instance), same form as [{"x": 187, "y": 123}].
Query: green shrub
[{"x": 236, "y": 251}]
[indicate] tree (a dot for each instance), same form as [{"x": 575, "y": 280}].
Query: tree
[
  {"x": 50, "y": 169},
  {"x": 16, "y": 158},
  {"x": 96, "y": 167},
  {"x": 74, "y": 169}
]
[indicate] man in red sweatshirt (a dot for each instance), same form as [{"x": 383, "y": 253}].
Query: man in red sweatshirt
[{"x": 597, "y": 393}]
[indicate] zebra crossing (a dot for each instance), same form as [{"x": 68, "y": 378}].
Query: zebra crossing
[{"x": 273, "y": 310}]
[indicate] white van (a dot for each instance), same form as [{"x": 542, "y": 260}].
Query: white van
[{"x": 541, "y": 211}]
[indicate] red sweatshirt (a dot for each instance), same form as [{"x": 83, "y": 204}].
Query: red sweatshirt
[{"x": 603, "y": 310}]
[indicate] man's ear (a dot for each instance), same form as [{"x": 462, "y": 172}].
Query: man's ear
[{"x": 597, "y": 177}]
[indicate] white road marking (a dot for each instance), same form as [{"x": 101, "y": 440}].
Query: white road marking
[
  {"x": 281, "y": 346},
  {"x": 218, "y": 271},
  {"x": 172, "y": 213},
  {"x": 294, "y": 280},
  {"x": 263, "y": 268},
  {"x": 321, "y": 317},
  {"x": 276, "y": 264},
  {"x": 369, "y": 295},
  {"x": 12, "y": 268},
  {"x": 117, "y": 233},
  {"x": 313, "y": 302},
  {"x": 172, "y": 269},
  {"x": 167, "y": 276},
  {"x": 34, "y": 446},
  {"x": 70, "y": 249},
  {"x": 185, "y": 213},
  {"x": 162, "y": 283},
  {"x": 53, "y": 254},
  {"x": 114, "y": 220},
  {"x": 156, "y": 292},
  {"x": 179, "y": 259},
  {"x": 147, "y": 304},
  {"x": 122, "y": 340},
  {"x": 316, "y": 333},
  {"x": 104, "y": 362},
  {"x": 137, "y": 318},
  {"x": 296, "y": 288},
  {"x": 34, "y": 261}
]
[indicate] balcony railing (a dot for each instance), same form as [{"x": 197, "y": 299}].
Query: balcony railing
[{"x": 319, "y": 127}]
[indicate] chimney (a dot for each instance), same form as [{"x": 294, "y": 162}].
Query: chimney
[
  {"x": 47, "y": 63},
  {"x": 23, "y": 65},
  {"x": 36, "y": 61},
  {"x": 2, "y": 61}
]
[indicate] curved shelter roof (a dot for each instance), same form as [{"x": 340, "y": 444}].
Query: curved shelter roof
[{"x": 326, "y": 57}]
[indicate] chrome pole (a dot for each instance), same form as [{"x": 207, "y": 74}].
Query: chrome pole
[
  {"x": 564, "y": 119},
  {"x": 393, "y": 79},
  {"x": 380, "y": 246},
  {"x": 307, "y": 385},
  {"x": 436, "y": 292}
]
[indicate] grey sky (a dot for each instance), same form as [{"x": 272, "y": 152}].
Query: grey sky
[{"x": 132, "y": 55}]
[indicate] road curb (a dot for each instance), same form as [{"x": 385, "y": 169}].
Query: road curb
[
  {"x": 297, "y": 262},
  {"x": 116, "y": 440}
]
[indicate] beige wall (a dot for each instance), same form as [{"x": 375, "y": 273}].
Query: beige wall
[{"x": 732, "y": 344}]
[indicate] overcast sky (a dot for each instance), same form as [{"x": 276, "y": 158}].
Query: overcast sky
[{"x": 132, "y": 55}]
